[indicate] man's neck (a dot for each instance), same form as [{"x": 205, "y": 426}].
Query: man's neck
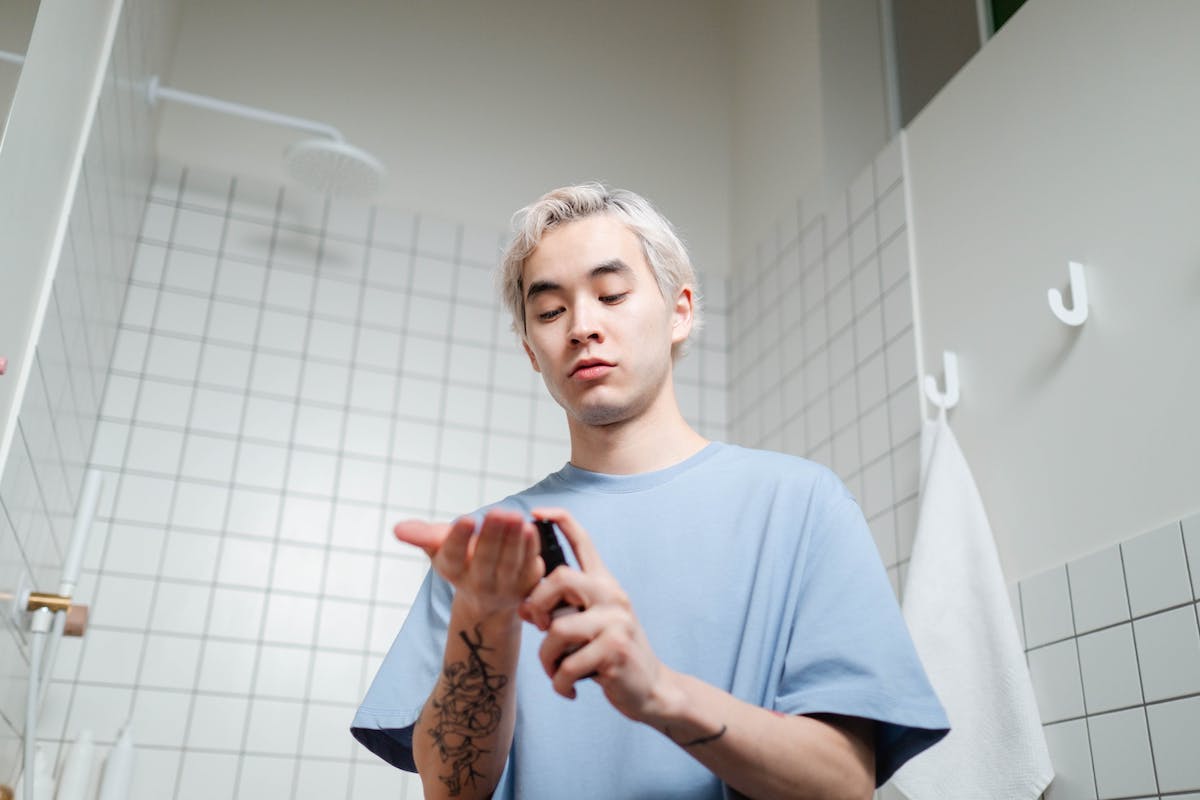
[{"x": 656, "y": 439}]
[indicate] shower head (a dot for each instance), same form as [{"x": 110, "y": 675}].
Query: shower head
[
  {"x": 331, "y": 165},
  {"x": 326, "y": 164}
]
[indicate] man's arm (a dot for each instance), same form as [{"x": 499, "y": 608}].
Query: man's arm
[
  {"x": 462, "y": 738},
  {"x": 765, "y": 754},
  {"x": 759, "y": 753}
]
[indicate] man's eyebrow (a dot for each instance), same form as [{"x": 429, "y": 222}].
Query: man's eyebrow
[
  {"x": 613, "y": 265},
  {"x": 610, "y": 267},
  {"x": 537, "y": 287}
]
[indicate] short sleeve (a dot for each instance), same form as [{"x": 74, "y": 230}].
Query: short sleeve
[
  {"x": 384, "y": 722},
  {"x": 850, "y": 651}
]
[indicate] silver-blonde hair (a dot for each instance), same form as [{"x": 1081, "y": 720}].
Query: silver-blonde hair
[{"x": 665, "y": 253}]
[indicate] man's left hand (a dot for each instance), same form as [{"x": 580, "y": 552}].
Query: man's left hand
[{"x": 605, "y": 640}]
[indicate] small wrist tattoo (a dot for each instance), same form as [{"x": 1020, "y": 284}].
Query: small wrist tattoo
[{"x": 702, "y": 740}]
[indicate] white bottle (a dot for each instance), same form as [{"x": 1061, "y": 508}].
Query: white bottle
[
  {"x": 77, "y": 772},
  {"x": 118, "y": 769},
  {"x": 43, "y": 779}
]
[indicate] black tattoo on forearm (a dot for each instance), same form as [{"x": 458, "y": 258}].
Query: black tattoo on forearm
[
  {"x": 467, "y": 711},
  {"x": 712, "y": 737}
]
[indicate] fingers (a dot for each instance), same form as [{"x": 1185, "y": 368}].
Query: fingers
[
  {"x": 575, "y": 648},
  {"x": 585, "y": 552},
  {"x": 568, "y": 586},
  {"x": 426, "y": 535},
  {"x": 451, "y": 558},
  {"x": 492, "y": 566},
  {"x": 500, "y": 549}
]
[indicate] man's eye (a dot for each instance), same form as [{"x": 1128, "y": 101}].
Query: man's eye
[
  {"x": 549, "y": 315},
  {"x": 613, "y": 298}
]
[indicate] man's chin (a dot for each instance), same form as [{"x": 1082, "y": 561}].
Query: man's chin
[{"x": 599, "y": 415}]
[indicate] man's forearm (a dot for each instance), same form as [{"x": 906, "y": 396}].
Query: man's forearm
[
  {"x": 764, "y": 754},
  {"x": 462, "y": 739}
]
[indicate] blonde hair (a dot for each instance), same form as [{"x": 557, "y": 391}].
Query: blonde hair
[{"x": 665, "y": 253}]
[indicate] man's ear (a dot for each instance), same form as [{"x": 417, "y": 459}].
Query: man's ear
[
  {"x": 681, "y": 315},
  {"x": 532, "y": 358}
]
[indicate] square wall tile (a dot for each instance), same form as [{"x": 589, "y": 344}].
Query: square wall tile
[
  {"x": 381, "y": 780},
  {"x": 134, "y": 549},
  {"x": 160, "y": 716},
  {"x": 1173, "y": 728},
  {"x": 1191, "y": 541},
  {"x": 274, "y": 726},
  {"x": 1046, "y": 607},
  {"x": 325, "y": 731},
  {"x": 236, "y": 613},
  {"x": 1071, "y": 755},
  {"x": 264, "y": 776},
  {"x": 227, "y": 667},
  {"x": 1121, "y": 754},
  {"x": 1098, "y": 590},
  {"x": 318, "y": 780},
  {"x": 170, "y": 661},
  {"x": 207, "y": 775},
  {"x": 154, "y": 772},
  {"x": 100, "y": 709},
  {"x": 179, "y": 608},
  {"x": 282, "y": 672},
  {"x": 1168, "y": 646},
  {"x": 1110, "y": 672},
  {"x": 1054, "y": 670},
  {"x": 1156, "y": 570},
  {"x": 217, "y": 722},
  {"x": 122, "y": 601},
  {"x": 111, "y": 657},
  {"x": 190, "y": 556}
]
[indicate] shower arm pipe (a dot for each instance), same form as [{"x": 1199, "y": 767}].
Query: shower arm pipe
[{"x": 155, "y": 92}]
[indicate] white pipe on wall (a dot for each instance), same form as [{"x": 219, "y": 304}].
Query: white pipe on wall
[{"x": 85, "y": 513}]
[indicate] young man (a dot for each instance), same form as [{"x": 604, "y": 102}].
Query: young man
[{"x": 736, "y": 632}]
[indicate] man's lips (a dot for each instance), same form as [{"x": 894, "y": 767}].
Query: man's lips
[{"x": 591, "y": 368}]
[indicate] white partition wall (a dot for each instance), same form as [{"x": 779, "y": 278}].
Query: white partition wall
[
  {"x": 1071, "y": 137},
  {"x": 68, "y": 221}
]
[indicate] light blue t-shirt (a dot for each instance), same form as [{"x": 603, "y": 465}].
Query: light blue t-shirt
[{"x": 751, "y": 570}]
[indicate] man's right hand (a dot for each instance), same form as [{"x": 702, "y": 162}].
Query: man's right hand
[{"x": 492, "y": 569}]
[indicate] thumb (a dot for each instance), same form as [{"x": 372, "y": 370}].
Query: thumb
[{"x": 426, "y": 535}]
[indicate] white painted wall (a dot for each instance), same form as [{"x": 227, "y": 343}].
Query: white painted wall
[
  {"x": 809, "y": 109},
  {"x": 777, "y": 144},
  {"x": 854, "y": 115},
  {"x": 16, "y": 23},
  {"x": 1071, "y": 136},
  {"x": 477, "y": 107}
]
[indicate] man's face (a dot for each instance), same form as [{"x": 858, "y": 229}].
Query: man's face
[{"x": 596, "y": 325}]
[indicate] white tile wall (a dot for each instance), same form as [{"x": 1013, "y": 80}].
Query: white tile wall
[
  {"x": 58, "y": 418},
  {"x": 823, "y": 365},
  {"x": 822, "y": 361},
  {"x": 1118, "y": 681},
  {"x": 292, "y": 375}
]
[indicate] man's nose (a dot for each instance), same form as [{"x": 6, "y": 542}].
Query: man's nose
[{"x": 584, "y": 328}]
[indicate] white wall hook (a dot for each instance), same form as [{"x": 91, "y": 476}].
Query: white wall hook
[
  {"x": 948, "y": 399},
  {"x": 1078, "y": 314}
]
